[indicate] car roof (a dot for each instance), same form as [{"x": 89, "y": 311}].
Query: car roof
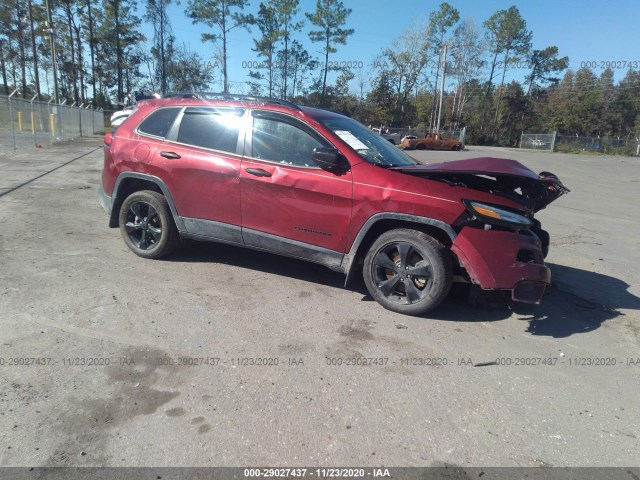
[
  {"x": 226, "y": 98},
  {"x": 236, "y": 101}
]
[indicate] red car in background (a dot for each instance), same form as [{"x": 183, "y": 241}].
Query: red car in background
[{"x": 311, "y": 184}]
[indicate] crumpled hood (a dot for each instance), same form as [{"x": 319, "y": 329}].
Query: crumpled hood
[{"x": 506, "y": 178}]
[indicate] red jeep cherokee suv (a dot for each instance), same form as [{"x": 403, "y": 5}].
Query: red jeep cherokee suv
[{"x": 312, "y": 184}]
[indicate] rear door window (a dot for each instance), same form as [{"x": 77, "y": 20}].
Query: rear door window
[{"x": 212, "y": 128}]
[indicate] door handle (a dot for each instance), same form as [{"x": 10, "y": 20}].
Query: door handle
[
  {"x": 258, "y": 172},
  {"x": 171, "y": 155}
]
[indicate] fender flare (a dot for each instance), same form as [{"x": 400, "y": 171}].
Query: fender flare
[
  {"x": 117, "y": 200},
  {"x": 348, "y": 262}
]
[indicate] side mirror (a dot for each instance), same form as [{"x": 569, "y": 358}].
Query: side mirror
[{"x": 331, "y": 160}]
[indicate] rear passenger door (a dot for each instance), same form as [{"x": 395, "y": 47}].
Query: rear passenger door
[{"x": 203, "y": 155}]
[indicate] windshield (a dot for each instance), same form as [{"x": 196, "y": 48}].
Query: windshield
[{"x": 371, "y": 147}]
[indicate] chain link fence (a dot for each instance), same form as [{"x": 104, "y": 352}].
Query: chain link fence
[
  {"x": 607, "y": 146},
  {"x": 30, "y": 123},
  {"x": 574, "y": 144}
]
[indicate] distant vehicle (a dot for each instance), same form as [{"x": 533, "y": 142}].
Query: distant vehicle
[
  {"x": 408, "y": 137},
  {"x": 431, "y": 141},
  {"x": 394, "y": 138},
  {"x": 121, "y": 115}
]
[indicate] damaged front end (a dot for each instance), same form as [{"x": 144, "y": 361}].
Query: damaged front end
[
  {"x": 504, "y": 178},
  {"x": 504, "y": 260},
  {"x": 499, "y": 243}
]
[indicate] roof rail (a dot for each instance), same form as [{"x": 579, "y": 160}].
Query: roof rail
[{"x": 232, "y": 96}]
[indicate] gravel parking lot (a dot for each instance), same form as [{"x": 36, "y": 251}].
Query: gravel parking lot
[{"x": 221, "y": 356}]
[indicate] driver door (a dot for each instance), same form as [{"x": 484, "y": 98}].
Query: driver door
[{"x": 288, "y": 203}]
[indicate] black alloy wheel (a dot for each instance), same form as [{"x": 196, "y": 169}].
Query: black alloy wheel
[
  {"x": 407, "y": 271},
  {"x": 147, "y": 225}
]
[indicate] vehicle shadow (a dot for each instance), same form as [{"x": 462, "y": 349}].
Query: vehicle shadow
[
  {"x": 563, "y": 312},
  {"x": 208, "y": 252},
  {"x": 580, "y": 301}
]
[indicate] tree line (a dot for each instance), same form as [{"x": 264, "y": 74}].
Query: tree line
[
  {"x": 444, "y": 71},
  {"x": 79, "y": 44}
]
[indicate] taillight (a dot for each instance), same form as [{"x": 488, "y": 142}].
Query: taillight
[{"x": 107, "y": 138}]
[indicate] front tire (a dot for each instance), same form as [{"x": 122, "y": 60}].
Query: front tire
[
  {"x": 147, "y": 226},
  {"x": 407, "y": 271}
]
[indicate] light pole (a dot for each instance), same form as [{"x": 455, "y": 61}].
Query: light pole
[
  {"x": 34, "y": 50},
  {"x": 444, "y": 66},
  {"x": 53, "y": 52}
]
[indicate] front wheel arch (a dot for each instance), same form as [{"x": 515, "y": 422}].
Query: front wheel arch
[
  {"x": 408, "y": 271},
  {"x": 381, "y": 223}
]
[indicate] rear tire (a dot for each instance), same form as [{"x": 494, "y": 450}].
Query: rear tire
[
  {"x": 420, "y": 146},
  {"x": 147, "y": 225},
  {"x": 407, "y": 271}
]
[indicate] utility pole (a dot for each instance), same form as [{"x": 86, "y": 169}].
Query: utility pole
[
  {"x": 5, "y": 86},
  {"x": 53, "y": 52},
  {"x": 92, "y": 48},
  {"x": 34, "y": 50},
  {"x": 20, "y": 31},
  {"x": 444, "y": 65}
]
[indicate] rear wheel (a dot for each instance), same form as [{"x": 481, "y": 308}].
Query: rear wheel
[
  {"x": 147, "y": 226},
  {"x": 420, "y": 146},
  {"x": 407, "y": 271}
]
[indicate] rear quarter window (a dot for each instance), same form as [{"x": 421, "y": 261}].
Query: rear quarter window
[{"x": 159, "y": 122}]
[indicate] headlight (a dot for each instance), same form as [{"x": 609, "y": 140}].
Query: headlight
[{"x": 497, "y": 216}]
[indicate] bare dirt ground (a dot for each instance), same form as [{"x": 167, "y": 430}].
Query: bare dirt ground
[{"x": 94, "y": 341}]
